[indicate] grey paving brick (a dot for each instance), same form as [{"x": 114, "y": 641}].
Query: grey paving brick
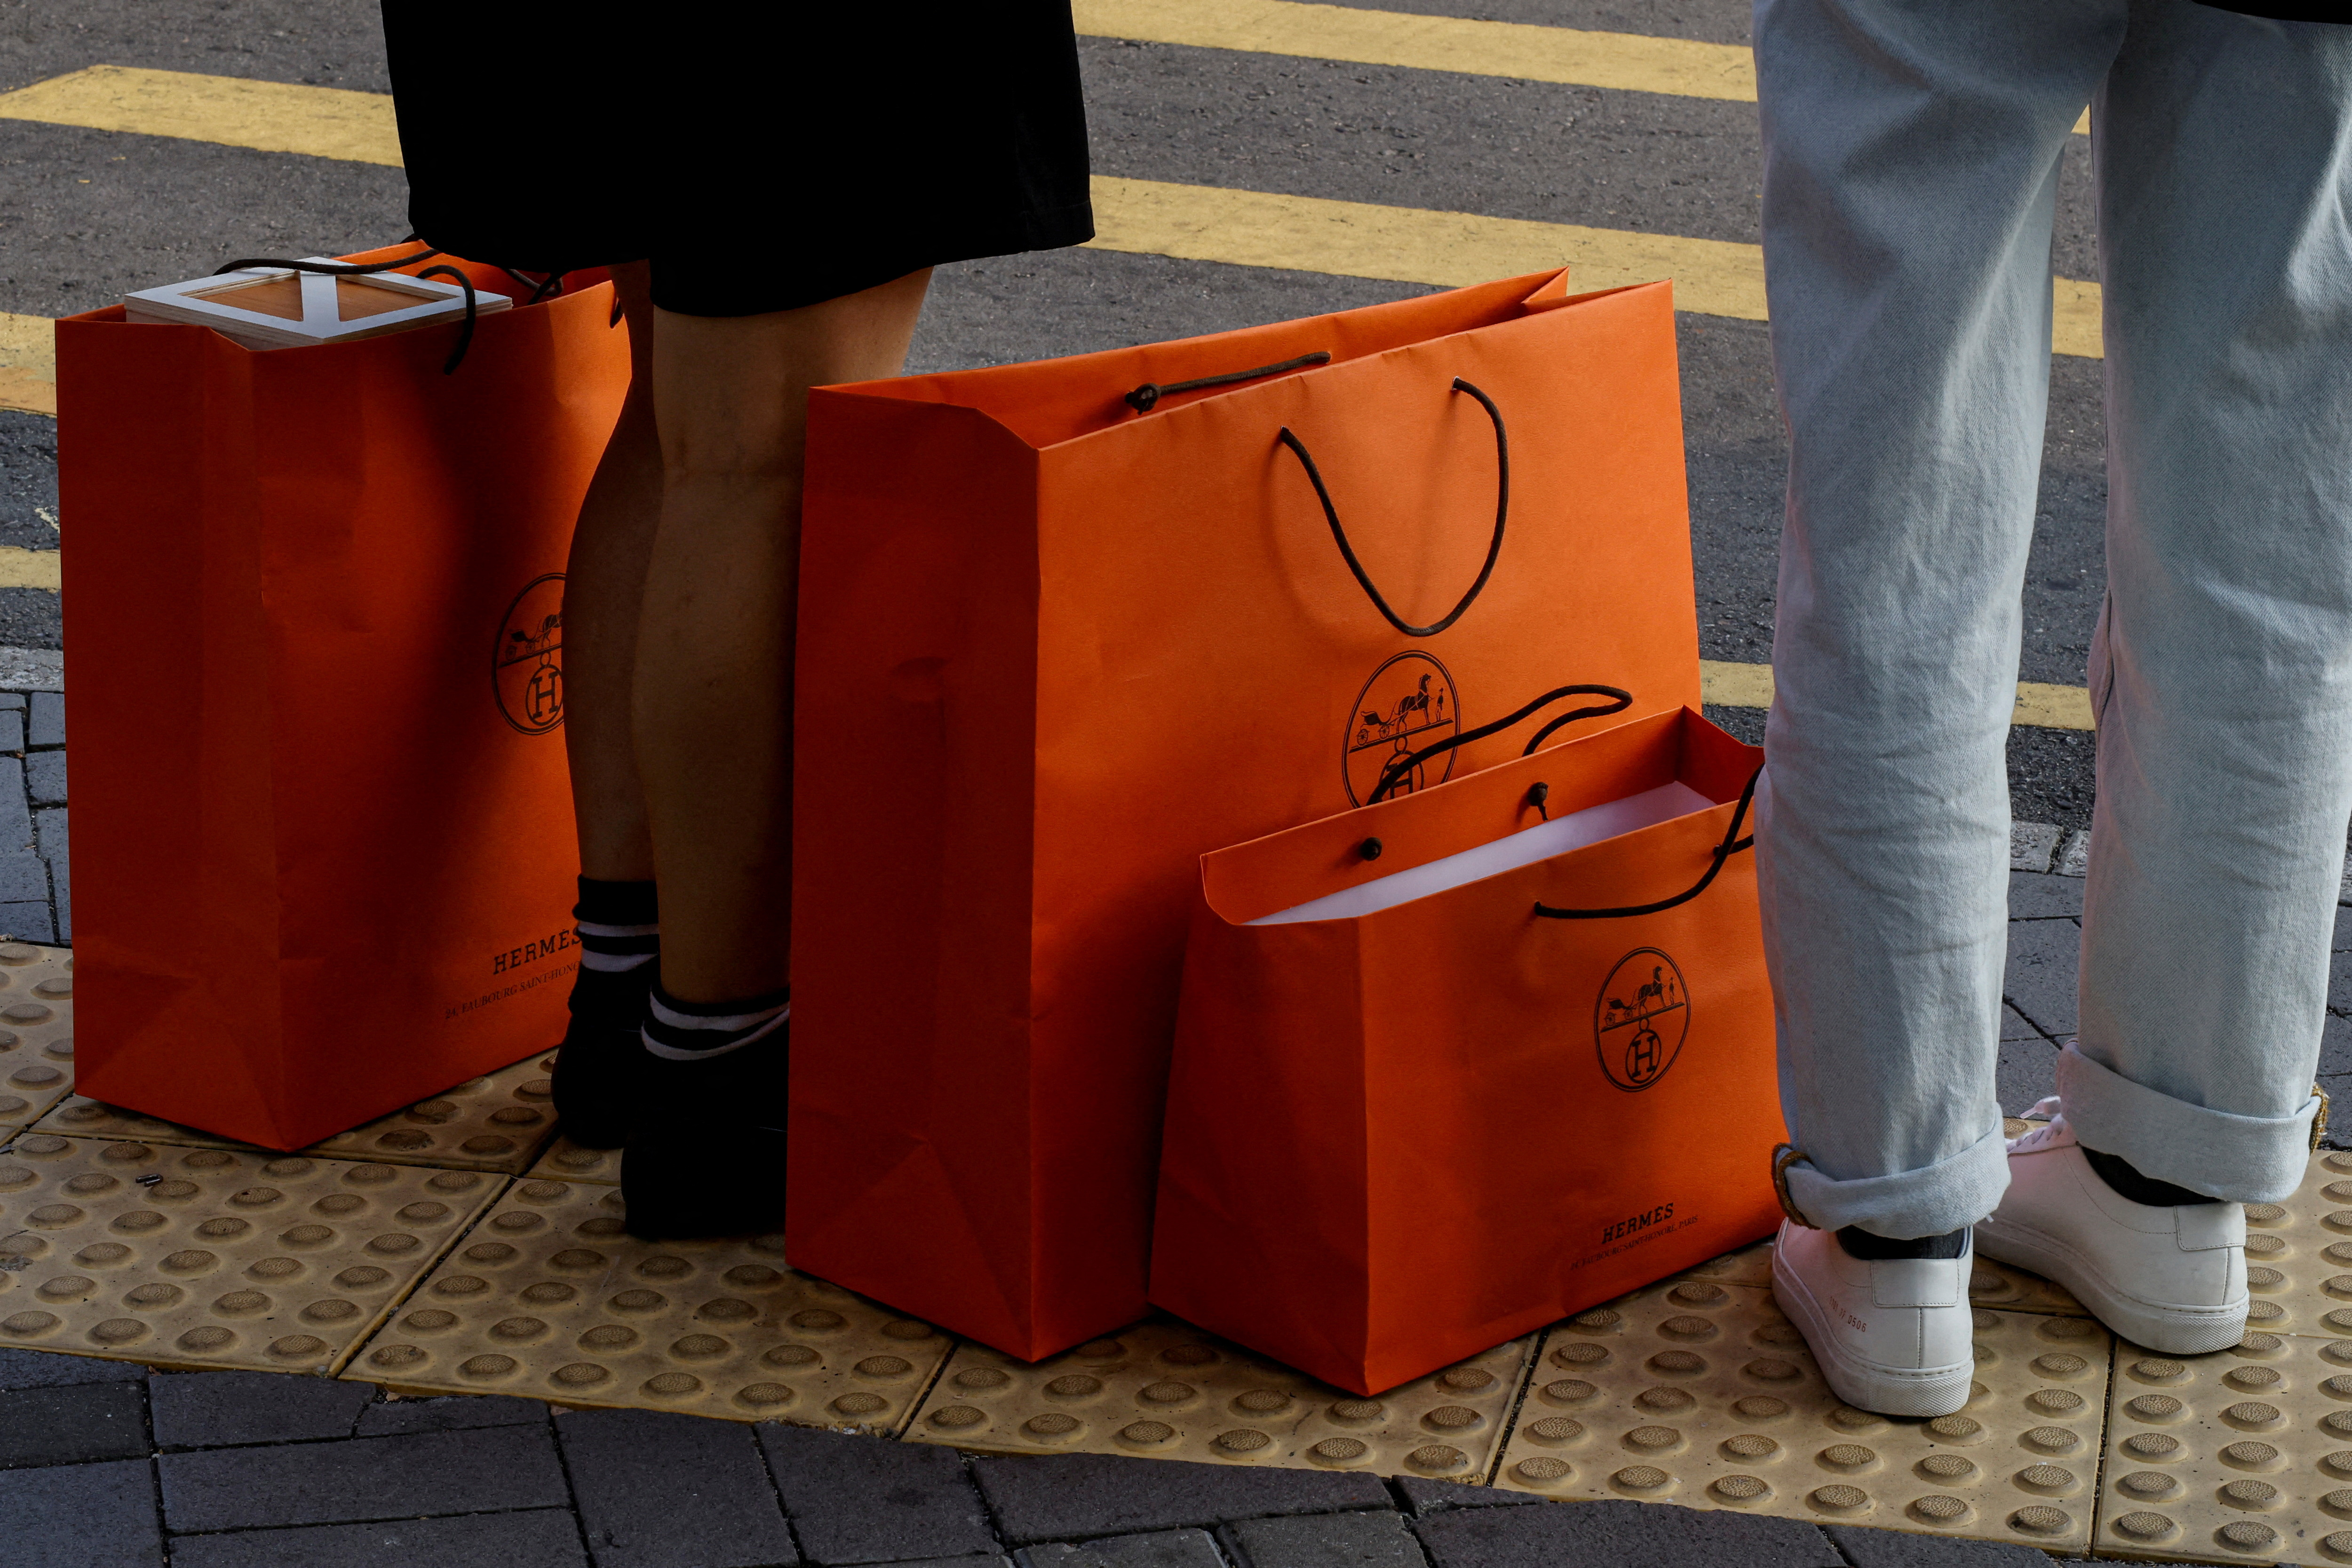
[
  {"x": 45, "y": 777},
  {"x": 24, "y": 878},
  {"x": 2041, "y": 897},
  {"x": 1069, "y": 1495},
  {"x": 2075, "y": 854},
  {"x": 1898, "y": 1549},
  {"x": 2013, "y": 1025},
  {"x": 81, "y": 1516},
  {"x": 14, "y": 699},
  {"x": 359, "y": 1479},
  {"x": 46, "y": 1369},
  {"x": 1621, "y": 1535},
  {"x": 978, "y": 1560},
  {"x": 16, "y": 813},
  {"x": 2025, "y": 1072},
  {"x": 455, "y": 1413},
  {"x": 852, "y": 1500},
  {"x": 2335, "y": 1045},
  {"x": 217, "y": 1409},
  {"x": 73, "y": 1423},
  {"x": 1162, "y": 1549},
  {"x": 26, "y": 922},
  {"x": 2039, "y": 981},
  {"x": 12, "y": 729},
  {"x": 539, "y": 1538},
  {"x": 657, "y": 1489},
  {"x": 1324, "y": 1541},
  {"x": 1423, "y": 1496},
  {"x": 47, "y": 726},
  {"x": 50, "y": 839},
  {"x": 2032, "y": 846}
]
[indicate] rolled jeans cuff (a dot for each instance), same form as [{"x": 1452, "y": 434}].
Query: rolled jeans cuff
[
  {"x": 2239, "y": 1159},
  {"x": 1930, "y": 1201}
]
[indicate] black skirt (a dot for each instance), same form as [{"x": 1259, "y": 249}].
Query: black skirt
[{"x": 758, "y": 163}]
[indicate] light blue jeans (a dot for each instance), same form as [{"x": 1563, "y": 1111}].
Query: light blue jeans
[{"x": 1911, "y": 160}]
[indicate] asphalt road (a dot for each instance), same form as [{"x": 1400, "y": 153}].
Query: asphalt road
[{"x": 89, "y": 214}]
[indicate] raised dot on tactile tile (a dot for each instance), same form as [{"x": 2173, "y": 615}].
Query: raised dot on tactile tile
[
  {"x": 25, "y": 1013},
  {"x": 665, "y": 1266},
  {"x": 1839, "y": 1498},
  {"x": 2143, "y": 1525},
  {"x": 189, "y": 1260},
  {"x": 2060, "y": 1364},
  {"x": 14, "y": 1176},
  {"x": 1938, "y": 1510},
  {"x": 2265, "y": 1312},
  {"x": 1760, "y": 1407},
  {"x": 2252, "y": 1379},
  {"x": 1541, "y": 1470},
  {"x": 26, "y": 1324},
  {"x": 1677, "y": 1363},
  {"x": 1847, "y": 1457},
  {"x": 1747, "y": 1446},
  {"x": 335, "y": 1204},
  {"x": 1664, "y": 1399},
  {"x": 1257, "y": 1401},
  {"x": 2339, "y": 1422},
  {"x": 699, "y": 1347},
  {"x": 296, "y": 1347},
  {"x": 174, "y": 1190},
  {"x": 2153, "y": 1407},
  {"x": 2245, "y": 1535},
  {"x": 1599, "y": 1321},
  {"x": 2053, "y": 1402},
  {"x": 1696, "y": 1293},
  {"x": 639, "y": 1300},
  {"x": 1466, "y": 1379},
  {"x": 1653, "y": 1438},
  {"x": 118, "y": 1332},
  {"x": 1187, "y": 1355},
  {"x": 392, "y": 1244},
  {"x": 362, "y": 1277},
  {"x": 2265, "y": 1279},
  {"x": 1768, "y": 1370},
  {"x": 727, "y": 1309},
  {"x": 273, "y": 1269},
  {"x": 817, "y": 1321},
  {"x": 601, "y": 1226},
  {"x": 576, "y": 1259},
  {"x": 67, "y": 1287},
  {"x": 1846, "y": 1418},
  {"x": 1056, "y": 1425},
  {"x": 1146, "y": 1433},
  {"x": 2045, "y": 1479},
  {"x": 1555, "y": 1429},
  {"x": 57, "y": 1217},
  {"x": 614, "y": 1337},
  {"x": 1576, "y": 1354},
  {"x": 431, "y": 1320},
  {"x": 1436, "y": 1458},
  {"x": 766, "y": 1395},
  {"x": 1453, "y": 1418},
  {"x": 2338, "y": 1503},
  {"x": 517, "y": 1116},
  {"x": 2250, "y": 1494},
  {"x": 460, "y": 1285},
  {"x": 793, "y": 1355},
  {"x": 2253, "y": 1415},
  {"x": 154, "y": 1298},
  {"x": 1569, "y": 1391},
  {"x": 2151, "y": 1446},
  {"x": 518, "y": 1329},
  {"x": 578, "y": 1374},
  {"x": 860, "y": 1404},
  {"x": 1355, "y": 1412},
  {"x": 2148, "y": 1486},
  {"x": 1688, "y": 1326},
  {"x": 2052, "y": 1440},
  {"x": 517, "y": 1223},
  {"x": 91, "y": 1183},
  {"x": 487, "y": 1366},
  {"x": 238, "y": 1303},
  {"x": 956, "y": 1416},
  {"x": 1641, "y": 1478},
  {"x": 334, "y": 1310},
  {"x": 204, "y": 1341},
  {"x": 1166, "y": 1392}
]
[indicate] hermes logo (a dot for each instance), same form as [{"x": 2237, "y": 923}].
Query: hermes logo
[{"x": 1640, "y": 1019}]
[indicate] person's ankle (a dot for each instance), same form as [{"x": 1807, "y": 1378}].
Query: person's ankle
[
  {"x": 1869, "y": 1247},
  {"x": 2126, "y": 1181}
]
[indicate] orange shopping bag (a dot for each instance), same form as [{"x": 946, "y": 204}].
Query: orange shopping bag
[
  {"x": 1411, "y": 1117},
  {"x": 1066, "y": 627},
  {"x": 322, "y": 834}
]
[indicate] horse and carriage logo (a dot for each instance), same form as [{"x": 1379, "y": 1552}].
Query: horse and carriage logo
[
  {"x": 527, "y": 664},
  {"x": 1409, "y": 705},
  {"x": 1640, "y": 1019}
]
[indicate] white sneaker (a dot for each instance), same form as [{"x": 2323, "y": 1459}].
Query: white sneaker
[
  {"x": 2173, "y": 1279},
  {"x": 1892, "y": 1335}
]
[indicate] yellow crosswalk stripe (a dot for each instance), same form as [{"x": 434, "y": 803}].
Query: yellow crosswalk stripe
[
  {"x": 269, "y": 116},
  {"x": 1628, "y": 62},
  {"x": 21, "y": 568},
  {"x": 28, "y": 364},
  {"x": 2040, "y": 705},
  {"x": 1411, "y": 244}
]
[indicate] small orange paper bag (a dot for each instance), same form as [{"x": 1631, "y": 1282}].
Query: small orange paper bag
[{"x": 1406, "y": 1125}]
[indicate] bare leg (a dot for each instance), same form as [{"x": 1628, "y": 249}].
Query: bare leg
[
  {"x": 605, "y": 586},
  {"x": 714, "y": 673}
]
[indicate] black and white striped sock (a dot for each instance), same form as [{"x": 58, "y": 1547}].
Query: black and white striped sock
[
  {"x": 697, "y": 1031},
  {"x": 619, "y": 926}
]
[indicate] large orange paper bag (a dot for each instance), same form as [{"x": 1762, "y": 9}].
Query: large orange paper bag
[
  {"x": 1411, "y": 1117},
  {"x": 1066, "y": 627},
  {"x": 323, "y": 838}
]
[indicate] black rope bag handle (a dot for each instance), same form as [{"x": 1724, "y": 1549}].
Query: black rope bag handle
[
  {"x": 1732, "y": 845},
  {"x": 553, "y": 284},
  {"x": 1399, "y": 768},
  {"x": 1347, "y": 553}
]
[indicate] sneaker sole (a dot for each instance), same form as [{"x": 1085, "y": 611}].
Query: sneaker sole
[
  {"x": 1937, "y": 1391},
  {"x": 2174, "y": 1331}
]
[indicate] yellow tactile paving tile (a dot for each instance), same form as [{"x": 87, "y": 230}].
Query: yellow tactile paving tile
[
  {"x": 565, "y": 1161},
  {"x": 1703, "y": 1394},
  {"x": 1992, "y": 1285},
  {"x": 182, "y": 1257},
  {"x": 2245, "y": 1456},
  {"x": 496, "y": 1122},
  {"x": 549, "y": 1298},
  {"x": 36, "y": 1031},
  {"x": 1163, "y": 1389}
]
